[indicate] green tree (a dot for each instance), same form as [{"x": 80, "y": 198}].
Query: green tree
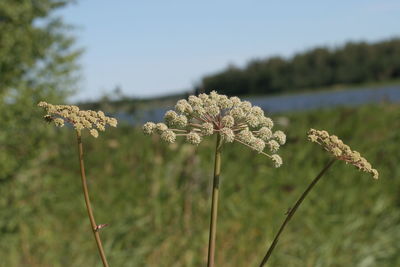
[
  {"x": 352, "y": 63},
  {"x": 38, "y": 60}
]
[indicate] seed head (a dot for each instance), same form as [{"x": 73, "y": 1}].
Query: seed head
[
  {"x": 339, "y": 150},
  {"x": 79, "y": 119},
  {"x": 229, "y": 117}
]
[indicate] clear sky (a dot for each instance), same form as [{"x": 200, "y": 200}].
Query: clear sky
[{"x": 159, "y": 47}]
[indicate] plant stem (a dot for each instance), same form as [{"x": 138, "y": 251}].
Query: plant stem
[
  {"x": 214, "y": 203},
  {"x": 87, "y": 201},
  {"x": 292, "y": 211}
]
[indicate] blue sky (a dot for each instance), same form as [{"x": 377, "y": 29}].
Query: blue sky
[{"x": 159, "y": 47}]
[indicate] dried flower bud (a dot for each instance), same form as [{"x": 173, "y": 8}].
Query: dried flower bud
[
  {"x": 341, "y": 151},
  {"x": 80, "y": 119}
]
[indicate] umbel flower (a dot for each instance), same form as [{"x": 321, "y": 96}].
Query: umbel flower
[
  {"x": 231, "y": 118},
  {"x": 80, "y": 119},
  {"x": 341, "y": 151},
  {"x": 94, "y": 122}
]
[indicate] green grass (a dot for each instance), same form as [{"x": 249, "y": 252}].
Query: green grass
[{"x": 156, "y": 199}]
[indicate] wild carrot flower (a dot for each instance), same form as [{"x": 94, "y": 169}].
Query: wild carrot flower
[
  {"x": 79, "y": 119},
  {"x": 230, "y": 117},
  {"x": 341, "y": 151}
]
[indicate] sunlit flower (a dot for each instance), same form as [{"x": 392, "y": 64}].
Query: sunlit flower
[
  {"x": 229, "y": 117},
  {"x": 79, "y": 119},
  {"x": 341, "y": 151}
]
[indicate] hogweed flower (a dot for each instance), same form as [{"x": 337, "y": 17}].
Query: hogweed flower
[
  {"x": 230, "y": 117},
  {"x": 79, "y": 119},
  {"x": 341, "y": 151}
]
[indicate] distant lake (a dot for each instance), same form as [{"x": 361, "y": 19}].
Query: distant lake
[{"x": 295, "y": 102}]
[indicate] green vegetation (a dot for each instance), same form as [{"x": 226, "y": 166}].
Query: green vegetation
[
  {"x": 156, "y": 199},
  {"x": 37, "y": 61},
  {"x": 353, "y": 63}
]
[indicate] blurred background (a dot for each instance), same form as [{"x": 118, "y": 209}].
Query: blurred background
[{"x": 327, "y": 65}]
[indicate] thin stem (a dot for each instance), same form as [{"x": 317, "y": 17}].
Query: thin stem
[
  {"x": 214, "y": 203},
  {"x": 95, "y": 228},
  {"x": 261, "y": 152},
  {"x": 292, "y": 211}
]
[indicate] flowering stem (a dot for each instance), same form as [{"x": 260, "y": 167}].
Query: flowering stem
[
  {"x": 214, "y": 203},
  {"x": 292, "y": 211},
  {"x": 87, "y": 201}
]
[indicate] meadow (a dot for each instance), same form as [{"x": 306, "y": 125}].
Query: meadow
[{"x": 156, "y": 199}]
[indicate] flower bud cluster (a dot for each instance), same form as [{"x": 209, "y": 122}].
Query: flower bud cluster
[
  {"x": 80, "y": 119},
  {"x": 341, "y": 151},
  {"x": 230, "y": 117}
]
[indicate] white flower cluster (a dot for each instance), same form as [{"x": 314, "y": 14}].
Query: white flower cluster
[
  {"x": 231, "y": 118},
  {"x": 341, "y": 151},
  {"x": 80, "y": 119}
]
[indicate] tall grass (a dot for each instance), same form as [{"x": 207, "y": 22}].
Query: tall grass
[{"x": 160, "y": 200}]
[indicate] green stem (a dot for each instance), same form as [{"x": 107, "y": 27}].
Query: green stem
[
  {"x": 292, "y": 211},
  {"x": 214, "y": 203},
  {"x": 95, "y": 229}
]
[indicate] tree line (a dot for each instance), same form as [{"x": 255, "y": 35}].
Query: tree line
[{"x": 352, "y": 63}]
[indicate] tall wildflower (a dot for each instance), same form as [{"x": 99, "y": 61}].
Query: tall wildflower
[
  {"x": 340, "y": 151},
  {"x": 94, "y": 122},
  {"x": 232, "y": 120},
  {"x": 80, "y": 119}
]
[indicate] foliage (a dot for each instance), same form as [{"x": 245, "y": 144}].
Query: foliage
[
  {"x": 159, "y": 198},
  {"x": 353, "y": 63},
  {"x": 37, "y": 61}
]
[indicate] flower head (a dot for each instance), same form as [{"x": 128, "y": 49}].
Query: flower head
[
  {"x": 79, "y": 119},
  {"x": 341, "y": 151},
  {"x": 229, "y": 117}
]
